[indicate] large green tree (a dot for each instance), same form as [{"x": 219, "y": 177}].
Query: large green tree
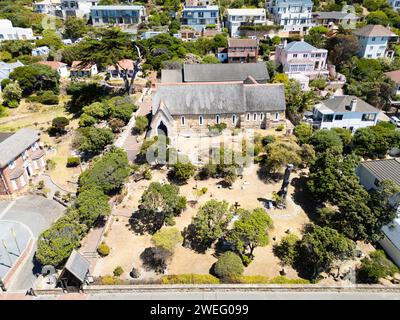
[
  {"x": 250, "y": 232},
  {"x": 91, "y": 204}
]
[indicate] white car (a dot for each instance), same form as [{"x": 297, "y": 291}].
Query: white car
[{"x": 395, "y": 121}]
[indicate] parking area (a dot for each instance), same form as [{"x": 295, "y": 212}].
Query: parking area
[{"x": 29, "y": 216}]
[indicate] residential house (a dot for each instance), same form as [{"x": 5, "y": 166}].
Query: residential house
[
  {"x": 21, "y": 157},
  {"x": 237, "y": 17},
  {"x": 395, "y": 77},
  {"x": 193, "y": 3},
  {"x": 59, "y": 67},
  {"x": 242, "y": 50},
  {"x": 188, "y": 34},
  {"x": 184, "y": 108},
  {"x": 80, "y": 69},
  {"x": 295, "y": 16},
  {"x": 348, "y": 112},
  {"x": 41, "y": 51},
  {"x": 8, "y": 32},
  {"x": 395, "y": 4},
  {"x": 199, "y": 17},
  {"x": 338, "y": 18},
  {"x": 371, "y": 174},
  {"x": 373, "y": 41},
  {"x": 121, "y": 15},
  {"x": 46, "y": 6},
  {"x": 196, "y": 73},
  {"x": 7, "y": 68},
  {"x": 76, "y": 8},
  {"x": 124, "y": 64},
  {"x": 302, "y": 57}
]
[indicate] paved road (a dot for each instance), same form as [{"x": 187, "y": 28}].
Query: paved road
[{"x": 36, "y": 213}]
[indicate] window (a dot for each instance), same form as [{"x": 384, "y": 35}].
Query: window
[
  {"x": 182, "y": 121},
  {"x": 376, "y": 182},
  {"x": 294, "y": 55},
  {"x": 248, "y": 117},
  {"x": 217, "y": 119},
  {"x": 234, "y": 119},
  {"x": 200, "y": 14},
  {"x": 327, "y": 118},
  {"x": 14, "y": 184},
  {"x": 368, "y": 117},
  {"x": 305, "y": 55},
  {"x": 22, "y": 181},
  {"x": 373, "y": 38},
  {"x": 382, "y": 39},
  {"x": 276, "y": 117},
  {"x": 261, "y": 116},
  {"x": 200, "y": 120},
  {"x": 369, "y": 56},
  {"x": 378, "y": 54},
  {"x": 11, "y": 165},
  {"x": 254, "y": 116},
  {"x": 339, "y": 117}
]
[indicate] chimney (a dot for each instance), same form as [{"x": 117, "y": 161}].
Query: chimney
[
  {"x": 353, "y": 104},
  {"x": 285, "y": 43}
]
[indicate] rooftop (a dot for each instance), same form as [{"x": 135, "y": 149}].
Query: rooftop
[
  {"x": 245, "y": 11},
  {"x": 200, "y": 8},
  {"x": 218, "y": 98},
  {"x": 394, "y": 75},
  {"x": 342, "y": 103},
  {"x": 299, "y": 46},
  {"x": 168, "y": 75},
  {"x": 224, "y": 72},
  {"x": 54, "y": 65},
  {"x": 16, "y": 143},
  {"x": 386, "y": 169},
  {"x": 374, "y": 31},
  {"x": 334, "y": 15},
  {"x": 242, "y": 43},
  {"x": 78, "y": 266},
  {"x": 120, "y": 7}
]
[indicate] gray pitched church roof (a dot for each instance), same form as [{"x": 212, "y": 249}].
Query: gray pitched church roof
[
  {"x": 219, "y": 98},
  {"x": 15, "y": 144},
  {"x": 225, "y": 72}
]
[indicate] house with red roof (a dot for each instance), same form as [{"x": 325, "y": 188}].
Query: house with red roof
[{"x": 59, "y": 67}]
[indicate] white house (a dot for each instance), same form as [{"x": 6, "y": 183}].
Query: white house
[
  {"x": 8, "y": 32},
  {"x": 58, "y": 66},
  {"x": 371, "y": 173},
  {"x": 46, "y": 6},
  {"x": 117, "y": 15},
  {"x": 7, "y": 68},
  {"x": 302, "y": 57},
  {"x": 395, "y": 77},
  {"x": 347, "y": 112},
  {"x": 80, "y": 69},
  {"x": 236, "y": 17},
  {"x": 395, "y": 4},
  {"x": 77, "y": 8},
  {"x": 373, "y": 41},
  {"x": 41, "y": 51},
  {"x": 295, "y": 16}
]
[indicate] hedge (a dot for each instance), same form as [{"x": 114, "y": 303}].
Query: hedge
[
  {"x": 190, "y": 279},
  {"x": 266, "y": 280}
]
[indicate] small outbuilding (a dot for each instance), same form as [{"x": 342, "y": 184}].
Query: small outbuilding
[{"x": 75, "y": 273}]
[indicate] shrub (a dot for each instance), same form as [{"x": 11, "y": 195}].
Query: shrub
[
  {"x": 267, "y": 140},
  {"x": 318, "y": 83},
  {"x": 116, "y": 125},
  {"x": 50, "y": 164},
  {"x": 167, "y": 238},
  {"x": 285, "y": 280},
  {"x": 190, "y": 279},
  {"x": 183, "y": 171},
  {"x": 40, "y": 185},
  {"x": 86, "y": 120},
  {"x": 217, "y": 127},
  {"x": 73, "y": 161},
  {"x": 229, "y": 265},
  {"x": 118, "y": 271},
  {"x": 375, "y": 267},
  {"x": 12, "y": 95},
  {"x": 147, "y": 174},
  {"x": 155, "y": 258},
  {"x": 58, "y": 125},
  {"x": 45, "y": 97},
  {"x": 250, "y": 279},
  {"x": 141, "y": 124},
  {"x": 103, "y": 249},
  {"x": 280, "y": 127},
  {"x": 110, "y": 280},
  {"x": 287, "y": 249}
]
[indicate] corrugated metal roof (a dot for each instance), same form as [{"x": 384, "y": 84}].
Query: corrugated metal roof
[{"x": 385, "y": 169}]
